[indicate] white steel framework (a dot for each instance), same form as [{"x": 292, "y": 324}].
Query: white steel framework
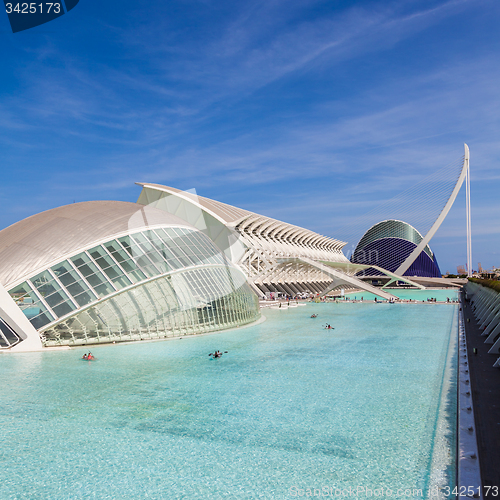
[{"x": 274, "y": 255}]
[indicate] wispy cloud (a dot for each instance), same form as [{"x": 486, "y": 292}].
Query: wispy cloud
[{"x": 277, "y": 106}]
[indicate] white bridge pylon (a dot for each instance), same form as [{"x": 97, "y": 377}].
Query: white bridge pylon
[{"x": 444, "y": 212}]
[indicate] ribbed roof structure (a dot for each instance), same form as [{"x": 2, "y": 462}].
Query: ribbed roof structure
[
  {"x": 286, "y": 236},
  {"x": 226, "y": 214}
]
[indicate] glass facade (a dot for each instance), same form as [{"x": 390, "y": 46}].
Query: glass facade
[
  {"x": 31, "y": 304},
  {"x": 392, "y": 229},
  {"x": 7, "y": 336},
  {"x": 149, "y": 284},
  {"x": 388, "y": 244}
]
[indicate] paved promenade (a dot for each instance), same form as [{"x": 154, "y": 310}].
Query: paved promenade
[{"x": 485, "y": 383}]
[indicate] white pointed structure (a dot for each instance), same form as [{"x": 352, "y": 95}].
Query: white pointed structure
[
  {"x": 467, "y": 205},
  {"x": 444, "y": 212},
  {"x": 15, "y": 329}
]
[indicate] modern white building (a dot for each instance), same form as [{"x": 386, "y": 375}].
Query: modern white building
[
  {"x": 274, "y": 255},
  {"x": 388, "y": 244},
  {"x": 172, "y": 264},
  {"x": 111, "y": 271}
]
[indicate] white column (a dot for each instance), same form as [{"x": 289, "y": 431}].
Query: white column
[
  {"x": 467, "y": 205},
  {"x": 16, "y": 319}
]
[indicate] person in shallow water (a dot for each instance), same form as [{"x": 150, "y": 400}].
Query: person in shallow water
[
  {"x": 217, "y": 354},
  {"x": 84, "y": 356}
]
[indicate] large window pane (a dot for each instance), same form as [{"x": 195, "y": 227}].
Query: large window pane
[
  {"x": 187, "y": 247},
  {"x": 204, "y": 244},
  {"x": 130, "y": 267},
  {"x": 162, "y": 247},
  {"x": 135, "y": 251},
  {"x": 151, "y": 252},
  {"x": 93, "y": 276},
  {"x": 33, "y": 308},
  {"x": 112, "y": 271},
  {"x": 167, "y": 249},
  {"x": 73, "y": 283},
  {"x": 52, "y": 293},
  {"x": 214, "y": 255},
  {"x": 174, "y": 247}
]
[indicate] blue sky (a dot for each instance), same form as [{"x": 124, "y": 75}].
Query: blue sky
[{"x": 311, "y": 112}]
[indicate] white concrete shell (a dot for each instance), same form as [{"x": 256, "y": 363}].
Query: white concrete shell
[
  {"x": 35, "y": 243},
  {"x": 105, "y": 271},
  {"x": 273, "y": 254}
]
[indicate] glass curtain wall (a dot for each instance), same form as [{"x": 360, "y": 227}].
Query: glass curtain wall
[
  {"x": 191, "y": 302},
  {"x": 7, "y": 336},
  {"x": 201, "y": 299}
]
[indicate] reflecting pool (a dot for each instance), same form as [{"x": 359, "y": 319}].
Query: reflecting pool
[{"x": 291, "y": 405}]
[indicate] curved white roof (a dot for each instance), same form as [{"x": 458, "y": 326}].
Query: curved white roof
[
  {"x": 392, "y": 228},
  {"x": 38, "y": 241},
  {"x": 225, "y": 213},
  {"x": 255, "y": 225}
]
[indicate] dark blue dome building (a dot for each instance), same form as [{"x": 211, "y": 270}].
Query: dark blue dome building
[{"x": 387, "y": 244}]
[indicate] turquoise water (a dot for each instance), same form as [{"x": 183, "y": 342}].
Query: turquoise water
[
  {"x": 291, "y": 405},
  {"x": 438, "y": 294}
]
